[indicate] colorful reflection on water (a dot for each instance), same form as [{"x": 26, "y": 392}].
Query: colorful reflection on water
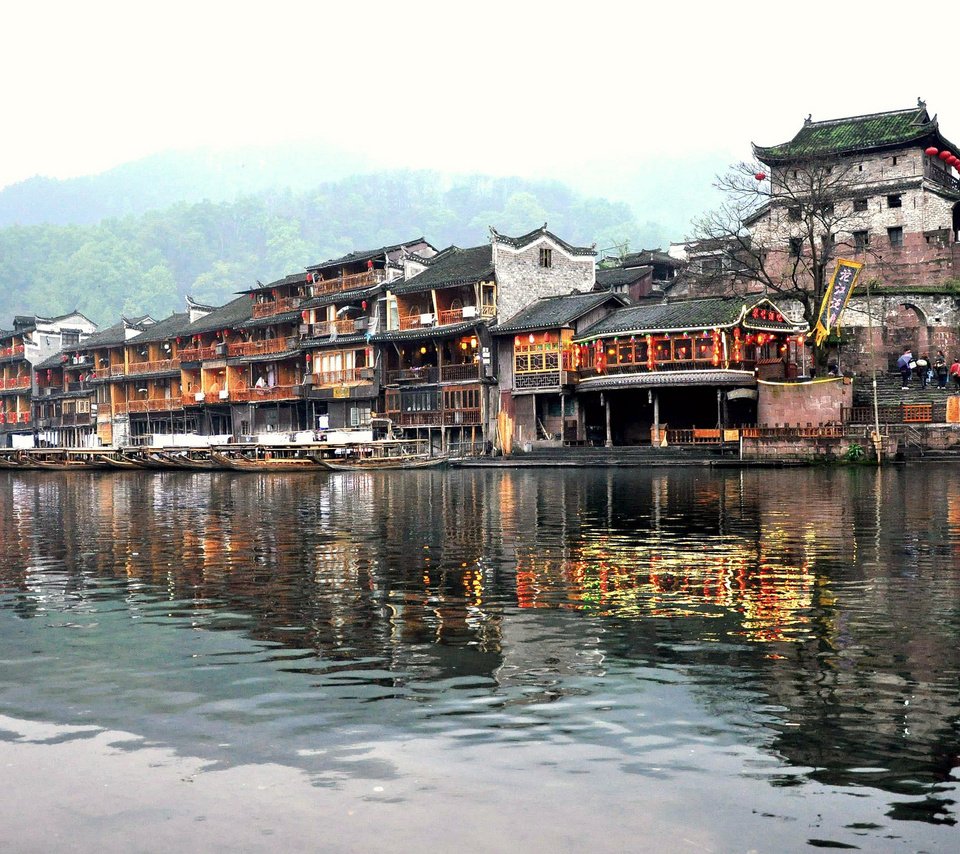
[{"x": 785, "y": 639}]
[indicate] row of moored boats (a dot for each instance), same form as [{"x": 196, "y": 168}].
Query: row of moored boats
[{"x": 374, "y": 456}]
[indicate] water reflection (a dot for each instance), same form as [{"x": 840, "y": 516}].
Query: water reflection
[{"x": 811, "y": 615}]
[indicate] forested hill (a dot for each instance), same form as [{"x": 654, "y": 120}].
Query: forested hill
[{"x": 146, "y": 263}]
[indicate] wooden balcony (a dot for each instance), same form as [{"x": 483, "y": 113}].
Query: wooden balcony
[
  {"x": 278, "y": 306},
  {"x": 467, "y": 372},
  {"x": 436, "y": 418},
  {"x": 118, "y": 370},
  {"x": 15, "y": 417},
  {"x": 197, "y": 354},
  {"x": 340, "y": 327},
  {"x": 468, "y": 312},
  {"x": 153, "y": 367},
  {"x": 262, "y": 395},
  {"x": 159, "y": 404},
  {"x": 15, "y": 382},
  {"x": 412, "y": 375},
  {"x": 350, "y": 282},
  {"x": 11, "y": 352},
  {"x": 417, "y": 321},
  {"x": 260, "y": 348},
  {"x": 348, "y": 376}
]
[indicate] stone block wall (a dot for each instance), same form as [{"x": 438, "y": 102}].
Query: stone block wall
[
  {"x": 816, "y": 403},
  {"x": 521, "y": 279}
]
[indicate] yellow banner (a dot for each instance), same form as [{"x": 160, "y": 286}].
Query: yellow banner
[{"x": 836, "y": 298}]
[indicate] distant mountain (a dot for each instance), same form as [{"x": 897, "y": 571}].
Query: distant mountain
[
  {"x": 147, "y": 263},
  {"x": 175, "y": 176}
]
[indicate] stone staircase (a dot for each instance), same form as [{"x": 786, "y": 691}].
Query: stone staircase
[{"x": 889, "y": 392}]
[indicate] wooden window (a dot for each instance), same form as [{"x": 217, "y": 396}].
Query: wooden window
[
  {"x": 546, "y": 256},
  {"x": 894, "y": 160},
  {"x": 793, "y": 214},
  {"x": 860, "y": 205},
  {"x": 895, "y": 236},
  {"x": 895, "y": 200},
  {"x": 861, "y": 240},
  {"x": 796, "y": 246}
]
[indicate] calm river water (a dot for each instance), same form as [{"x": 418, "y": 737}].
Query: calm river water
[{"x": 481, "y": 660}]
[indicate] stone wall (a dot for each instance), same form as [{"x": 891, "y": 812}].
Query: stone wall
[
  {"x": 815, "y": 403},
  {"x": 521, "y": 279}
]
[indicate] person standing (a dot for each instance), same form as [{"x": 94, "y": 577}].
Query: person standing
[
  {"x": 923, "y": 370},
  {"x": 940, "y": 369},
  {"x": 955, "y": 373},
  {"x": 905, "y": 365}
]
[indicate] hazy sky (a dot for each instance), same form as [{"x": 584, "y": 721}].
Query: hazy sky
[{"x": 501, "y": 87}]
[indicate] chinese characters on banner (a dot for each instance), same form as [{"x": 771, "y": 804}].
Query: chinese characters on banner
[{"x": 836, "y": 297}]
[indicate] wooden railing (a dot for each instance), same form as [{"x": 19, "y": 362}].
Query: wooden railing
[
  {"x": 414, "y": 321},
  {"x": 417, "y": 375},
  {"x": 328, "y": 327},
  {"x": 153, "y": 367},
  {"x": 460, "y": 373},
  {"x": 15, "y": 417},
  {"x": 15, "y": 382},
  {"x": 161, "y": 404},
  {"x": 197, "y": 354},
  {"x": 260, "y": 348},
  {"x": 343, "y": 377},
  {"x": 278, "y": 306},
  {"x": 350, "y": 282},
  {"x": 255, "y": 395},
  {"x": 118, "y": 370},
  {"x": 436, "y": 418},
  {"x": 11, "y": 351},
  {"x": 901, "y": 413}
]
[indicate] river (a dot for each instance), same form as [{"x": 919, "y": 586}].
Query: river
[{"x": 485, "y": 660}]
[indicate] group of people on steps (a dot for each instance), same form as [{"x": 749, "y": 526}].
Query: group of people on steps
[{"x": 926, "y": 371}]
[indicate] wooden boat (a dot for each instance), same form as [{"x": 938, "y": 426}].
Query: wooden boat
[
  {"x": 117, "y": 461},
  {"x": 192, "y": 460},
  {"x": 239, "y": 462},
  {"x": 60, "y": 461},
  {"x": 382, "y": 463}
]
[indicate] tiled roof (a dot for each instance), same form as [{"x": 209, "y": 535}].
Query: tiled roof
[
  {"x": 343, "y": 296},
  {"x": 536, "y": 234},
  {"x": 452, "y": 266},
  {"x": 682, "y": 315},
  {"x": 292, "y": 279},
  {"x": 650, "y": 256},
  {"x": 427, "y": 332},
  {"x": 555, "y": 312},
  {"x": 163, "y": 330},
  {"x": 365, "y": 255},
  {"x": 618, "y": 277},
  {"x": 109, "y": 337},
  {"x": 226, "y": 317},
  {"x": 856, "y": 134},
  {"x": 272, "y": 320}
]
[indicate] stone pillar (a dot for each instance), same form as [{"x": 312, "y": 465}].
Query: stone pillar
[{"x": 609, "y": 442}]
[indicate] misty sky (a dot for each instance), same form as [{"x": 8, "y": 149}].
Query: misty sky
[{"x": 533, "y": 89}]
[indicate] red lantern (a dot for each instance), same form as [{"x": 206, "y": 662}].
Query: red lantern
[
  {"x": 760, "y": 176},
  {"x": 651, "y": 363},
  {"x": 363, "y": 305},
  {"x": 953, "y": 160},
  {"x": 308, "y": 357},
  {"x": 944, "y": 155},
  {"x": 931, "y": 151},
  {"x": 304, "y": 315}
]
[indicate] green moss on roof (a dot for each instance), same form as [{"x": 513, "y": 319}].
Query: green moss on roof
[{"x": 856, "y": 133}]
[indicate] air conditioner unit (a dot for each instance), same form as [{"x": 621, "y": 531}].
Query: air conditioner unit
[
  {"x": 199, "y": 397},
  {"x": 469, "y": 311},
  {"x": 220, "y": 349},
  {"x": 304, "y": 328},
  {"x": 361, "y": 323},
  {"x": 224, "y": 394},
  {"x": 426, "y": 319}
]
